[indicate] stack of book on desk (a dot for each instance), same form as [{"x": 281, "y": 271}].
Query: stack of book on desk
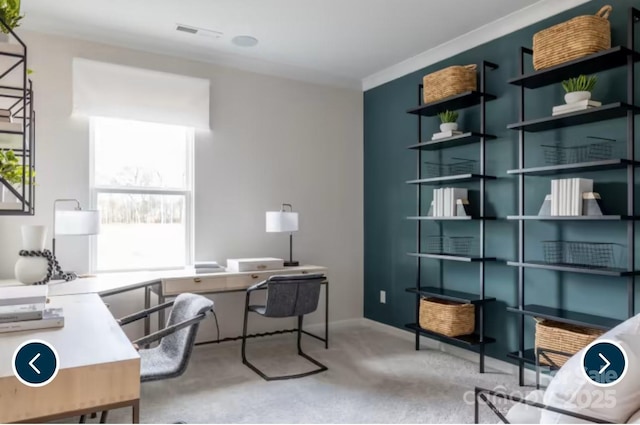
[
  {"x": 206, "y": 267},
  {"x": 24, "y": 308}
]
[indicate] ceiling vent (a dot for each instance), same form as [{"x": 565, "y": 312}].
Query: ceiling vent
[{"x": 203, "y": 32}]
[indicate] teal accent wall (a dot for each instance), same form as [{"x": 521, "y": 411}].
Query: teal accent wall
[{"x": 388, "y": 130}]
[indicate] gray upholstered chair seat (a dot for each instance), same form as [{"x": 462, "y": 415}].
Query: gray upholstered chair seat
[{"x": 157, "y": 364}]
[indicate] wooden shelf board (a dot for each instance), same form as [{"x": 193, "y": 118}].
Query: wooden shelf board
[
  {"x": 604, "y": 112},
  {"x": 470, "y": 340},
  {"x": 453, "y": 103},
  {"x": 592, "y": 64},
  {"x": 450, "y": 295},
  {"x": 566, "y": 316}
]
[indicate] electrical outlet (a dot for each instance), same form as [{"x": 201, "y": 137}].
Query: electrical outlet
[{"x": 383, "y": 297}]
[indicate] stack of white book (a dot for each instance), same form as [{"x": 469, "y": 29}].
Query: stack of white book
[
  {"x": 566, "y": 196},
  {"x": 446, "y": 135},
  {"x": 576, "y": 106},
  {"x": 206, "y": 267},
  {"x": 444, "y": 201},
  {"x": 24, "y": 308},
  {"x": 5, "y": 115}
]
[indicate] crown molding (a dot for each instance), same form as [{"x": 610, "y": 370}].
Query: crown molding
[{"x": 506, "y": 25}]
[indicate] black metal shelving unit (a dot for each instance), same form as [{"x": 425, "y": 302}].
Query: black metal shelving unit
[
  {"x": 609, "y": 59},
  {"x": 16, "y": 96},
  {"x": 478, "y": 340}
]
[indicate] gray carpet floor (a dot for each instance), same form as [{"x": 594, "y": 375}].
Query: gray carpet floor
[{"x": 374, "y": 376}]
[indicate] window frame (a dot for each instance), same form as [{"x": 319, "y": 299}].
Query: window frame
[{"x": 187, "y": 192}]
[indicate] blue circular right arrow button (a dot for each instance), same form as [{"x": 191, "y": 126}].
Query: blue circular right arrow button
[{"x": 605, "y": 363}]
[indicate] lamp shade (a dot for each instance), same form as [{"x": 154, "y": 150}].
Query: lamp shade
[
  {"x": 281, "y": 221},
  {"x": 77, "y": 222}
]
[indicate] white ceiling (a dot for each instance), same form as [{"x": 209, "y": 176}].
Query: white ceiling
[{"x": 331, "y": 41}]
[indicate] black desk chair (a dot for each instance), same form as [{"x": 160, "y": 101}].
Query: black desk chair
[
  {"x": 287, "y": 296},
  {"x": 170, "y": 358}
]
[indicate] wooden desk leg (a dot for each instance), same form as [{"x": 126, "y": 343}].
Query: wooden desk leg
[
  {"x": 135, "y": 412},
  {"x": 326, "y": 316}
]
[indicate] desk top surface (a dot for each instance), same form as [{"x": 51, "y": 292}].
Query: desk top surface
[
  {"x": 90, "y": 336},
  {"x": 112, "y": 283}
]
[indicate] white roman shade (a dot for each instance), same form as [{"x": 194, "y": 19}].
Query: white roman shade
[{"x": 117, "y": 91}]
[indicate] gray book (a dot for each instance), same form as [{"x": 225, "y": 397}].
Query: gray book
[
  {"x": 17, "y": 313},
  {"x": 51, "y": 318}
]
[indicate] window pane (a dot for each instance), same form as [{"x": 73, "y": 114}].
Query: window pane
[
  {"x": 139, "y": 154},
  {"x": 141, "y": 231}
]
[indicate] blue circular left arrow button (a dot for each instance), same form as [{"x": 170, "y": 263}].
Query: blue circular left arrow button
[{"x": 35, "y": 363}]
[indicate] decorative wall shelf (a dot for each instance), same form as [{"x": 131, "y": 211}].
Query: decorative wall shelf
[
  {"x": 18, "y": 135},
  {"x": 603, "y": 113},
  {"x": 572, "y": 218},
  {"x": 453, "y": 103},
  {"x": 566, "y": 316},
  {"x": 456, "y": 218},
  {"x": 452, "y": 257},
  {"x": 461, "y": 140},
  {"x": 460, "y": 178},
  {"x": 445, "y": 294},
  {"x": 602, "y": 271},
  {"x": 602, "y": 61},
  {"x": 603, "y": 165},
  {"x": 470, "y": 340}
]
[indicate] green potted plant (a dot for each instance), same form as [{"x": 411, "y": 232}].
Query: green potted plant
[
  {"x": 579, "y": 88},
  {"x": 448, "y": 121},
  {"x": 10, "y": 14},
  {"x": 12, "y": 171}
]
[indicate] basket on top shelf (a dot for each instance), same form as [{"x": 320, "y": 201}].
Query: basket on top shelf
[
  {"x": 449, "y": 82},
  {"x": 573, "y": 39},
  {"x": 564, "y": 338},
  {"x": 447, "y": 318}
]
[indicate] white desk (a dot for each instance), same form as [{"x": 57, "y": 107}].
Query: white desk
[{"x": 99, "y": 368}]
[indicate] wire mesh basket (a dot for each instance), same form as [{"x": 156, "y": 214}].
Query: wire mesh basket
[
  {"x": 454, "y": 245},
  {"x": 587, "y": 254},
  {"x": 598, "y": 149},
  {"x": 459, "y": 166}
]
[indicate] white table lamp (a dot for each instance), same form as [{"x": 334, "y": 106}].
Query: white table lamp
[
  {"x": 76, "y": 222},
  {"x": 281, "y": 222}
]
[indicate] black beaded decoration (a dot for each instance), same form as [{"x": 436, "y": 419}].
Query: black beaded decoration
[{"x": 53, "y": 265}]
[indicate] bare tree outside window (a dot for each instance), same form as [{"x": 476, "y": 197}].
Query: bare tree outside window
[{"x": 142, "y": 184}]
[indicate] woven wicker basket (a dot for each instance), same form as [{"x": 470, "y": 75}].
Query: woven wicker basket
[
  {"x": 562, "y": 337},
  {"x": 449, "y": 82},
  {"x": 576, "y": 38},
  {"x": 446, "y": 317}
]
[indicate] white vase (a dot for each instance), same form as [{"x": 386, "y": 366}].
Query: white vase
[
  {"x": 30, "y": 270},
  {"x": 449, "y": 126},
  {"x": 577, "y": 96}
]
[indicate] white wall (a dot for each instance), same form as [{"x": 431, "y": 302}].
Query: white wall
[{"x": 274, "y": 140}]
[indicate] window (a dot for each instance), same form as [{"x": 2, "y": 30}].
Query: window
[{"x": 142, "y": 184}]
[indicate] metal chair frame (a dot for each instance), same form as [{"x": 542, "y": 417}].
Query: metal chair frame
[{"x": 321, "y": 368}]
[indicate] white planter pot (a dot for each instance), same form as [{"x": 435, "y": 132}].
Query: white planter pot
[
  {"x": 4, "y": 38},
  {"x": 30, "y": 270},
  {"x": 449, "y": 126},
  {"x": 577, "y": 96}
]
